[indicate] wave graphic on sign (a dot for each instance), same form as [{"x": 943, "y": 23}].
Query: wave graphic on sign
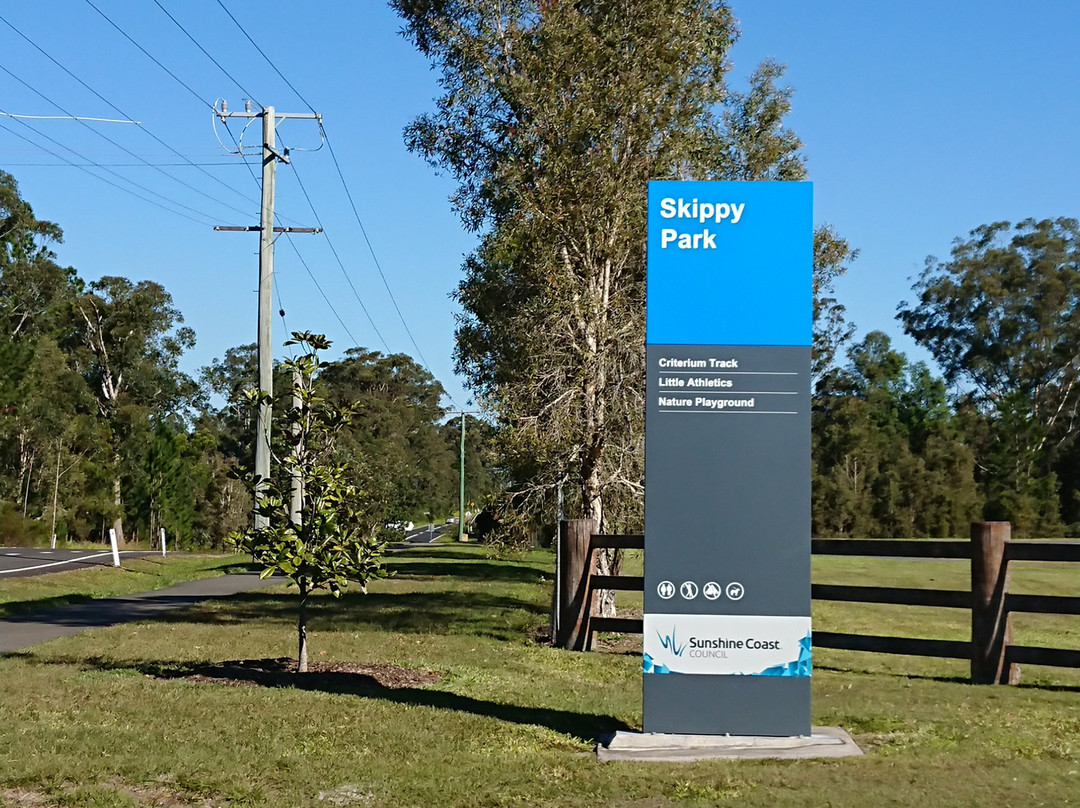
[
  {"x": 797, "y": 667},
  {"x": 648, "y": 666}
]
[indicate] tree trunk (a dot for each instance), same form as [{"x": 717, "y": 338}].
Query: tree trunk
[
  {"x": 118, "y": 522},
  {"x": 301, "y": 629},
  {"x": 55, "y": 492},
  {"x": 606, "y": 559},
  {"x": 29, "y": 478}
]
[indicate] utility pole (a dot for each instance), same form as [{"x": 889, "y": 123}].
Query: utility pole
[
  {"x": 270, "y": 158},
  {"x": 461, "y": 468}
]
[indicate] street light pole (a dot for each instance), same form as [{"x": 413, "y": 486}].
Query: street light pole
[{"x": 461, "y": 468}]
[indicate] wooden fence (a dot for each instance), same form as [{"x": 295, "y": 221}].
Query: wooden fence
[{"x": 994, "y": 657}]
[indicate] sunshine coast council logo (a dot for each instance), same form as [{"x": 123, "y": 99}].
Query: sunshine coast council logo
[{"x": 670, "y": 643}]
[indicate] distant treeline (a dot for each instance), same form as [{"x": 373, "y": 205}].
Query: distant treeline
[
  {"x": 100, "y": 429},
  {"x": 900, "y": 452}
]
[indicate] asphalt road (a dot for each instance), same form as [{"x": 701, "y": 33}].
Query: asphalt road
[
  {"x": 422, "y": 535},
  {"x": 18, "y": 562}
]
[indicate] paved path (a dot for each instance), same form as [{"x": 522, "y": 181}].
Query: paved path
[{"x": 23, "y": 630}]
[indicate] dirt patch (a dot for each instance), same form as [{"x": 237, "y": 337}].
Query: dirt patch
[
  {"x": 19, "y": 798},
  {"x": 157, "y": 795},
  {"x": 332, "y": 676},
  {"x": 604, "y": 642}
]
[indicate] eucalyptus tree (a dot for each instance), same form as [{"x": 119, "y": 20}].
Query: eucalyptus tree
[
  {"x": 1002, "y": 318},
  {"x": 554, "y": 116},
  {"x": 126, "y": 341},
  {"x": 888, "y": 455}
]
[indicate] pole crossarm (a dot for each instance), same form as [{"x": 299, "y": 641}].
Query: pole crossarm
[
  {"x": 311, "y": 116},
  {"x": 255, "y": 229}
]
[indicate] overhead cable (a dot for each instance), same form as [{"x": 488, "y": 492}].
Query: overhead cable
[
  {"x": 113, "y": 106},
  {"x": 126, "y": 150},
  {"x": 355, "y": 341},
  {"x": 205, "y": 52},
  {"x": 340, "y": 263},
  {"x": 206, "y": 219}
]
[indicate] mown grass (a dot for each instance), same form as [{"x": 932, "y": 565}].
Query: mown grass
[
  {"x": 141, "y": 574},
  {"x": 90, "y": 720}
]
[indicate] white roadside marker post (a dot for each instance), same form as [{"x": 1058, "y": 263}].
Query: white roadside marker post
[
  {"x": 163, "y": 542},
  {"x": 115, "y": 552}
]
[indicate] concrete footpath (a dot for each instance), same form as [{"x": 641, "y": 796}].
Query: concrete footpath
[{"x": 30, "y": 628}]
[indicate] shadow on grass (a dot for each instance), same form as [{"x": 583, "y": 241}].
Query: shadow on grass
[
  {"x": 455, "y": 552},
  {"x": 479, "y": 614},
  {"x": 583, "y": 726},
  {"x": 961, "y": 680},
  {"x": 13, "y": 607},
  {"x": 465, "y": 570}
]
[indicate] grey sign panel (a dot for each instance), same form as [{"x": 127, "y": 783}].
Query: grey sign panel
[{"x": 727, "y": 522}]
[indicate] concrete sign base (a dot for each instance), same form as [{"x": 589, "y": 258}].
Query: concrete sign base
[{"x": 652, "y": 747}]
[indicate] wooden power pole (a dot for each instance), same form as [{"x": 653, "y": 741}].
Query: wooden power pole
[{"x": 270, "y": 157}]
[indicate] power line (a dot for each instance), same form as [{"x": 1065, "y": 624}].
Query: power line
[
  {"x": 126, "y": 150},
  {"x": 374, "y": 257},
  {"x": 355, "y": 341},
  {"x": 148, "y": 55},
  {"x": 127, "y": 165},
  {"x": 113, "y": 106},
  {"x": 205, "y": 51},
  {"x": 340, "y": 263},
  {"x": 263, "y": 54},
  {"x": 66, "y": 118},
  {"x": 83, "y": 168}
]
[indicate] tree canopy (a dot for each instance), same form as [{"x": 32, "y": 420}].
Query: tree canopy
[
  {"x": 1001, "y": 317},
  {"x": 553, "y": 118}
]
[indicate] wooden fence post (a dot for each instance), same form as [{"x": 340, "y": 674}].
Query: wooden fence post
[
  {"x": 576, "y": 567},
  {"x": 991, "y": 628}
]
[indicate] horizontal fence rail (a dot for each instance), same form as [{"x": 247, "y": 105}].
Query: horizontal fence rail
[
  {"x": 899, "y": 548},
  {"x": 994, "y": 657}
]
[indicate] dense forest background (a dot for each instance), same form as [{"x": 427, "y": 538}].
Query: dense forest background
[{"x": 100, "y": 428}]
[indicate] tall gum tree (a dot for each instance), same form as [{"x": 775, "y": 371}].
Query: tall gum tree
[
  {"x": 127, "y": 341},
  {"x": 554, "y": 116},
  {"x": 1001, "y": 316}
]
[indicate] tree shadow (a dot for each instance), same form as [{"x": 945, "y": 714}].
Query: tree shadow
[
  {"x": 956, "y": 679},
  {"x": 465, "y": 570},
  {"x": 453, "y": 552},
  {"x": 587, "y": 727},
  {"x": 13, "y": 608},
  {"x": 473, "y": 613}
]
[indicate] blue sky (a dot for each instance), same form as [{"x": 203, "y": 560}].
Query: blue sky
[{"x": 920, "y": 120}]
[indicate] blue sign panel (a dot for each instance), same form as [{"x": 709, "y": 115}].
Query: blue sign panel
[
  {"x": 727, "y": 643},
  {"x": 730, "y": 263}
]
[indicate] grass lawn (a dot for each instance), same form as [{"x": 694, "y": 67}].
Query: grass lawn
[
  {"x": 141, "y": 574},
  {"x": 107, "y": 719}
]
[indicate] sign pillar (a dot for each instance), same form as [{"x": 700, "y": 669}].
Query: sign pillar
[{"x": 727, "y": 458}]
